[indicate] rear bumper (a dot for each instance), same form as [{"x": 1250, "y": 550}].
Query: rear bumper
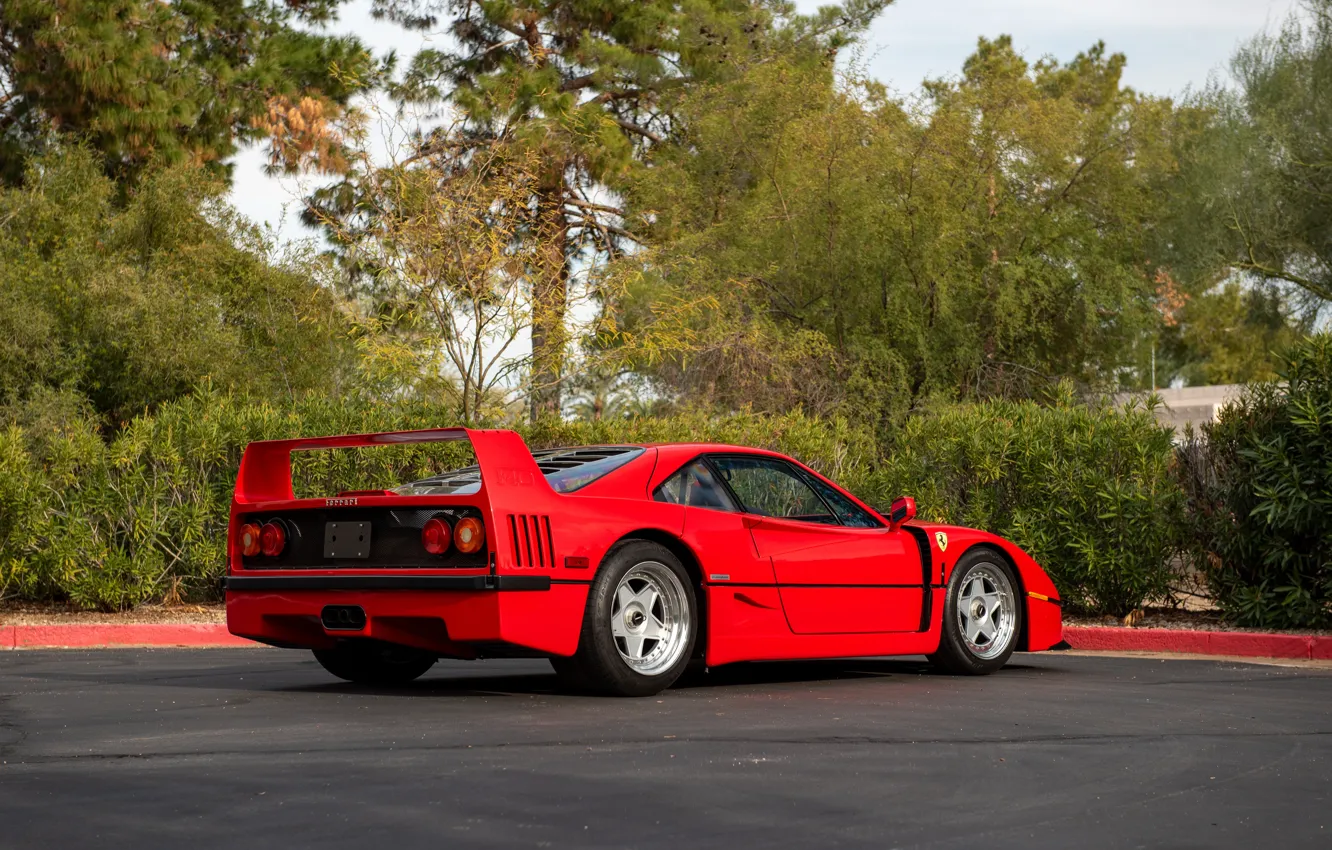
[
  {"x": 393, "y": 582},
  {"x": 454, "y": 618}
]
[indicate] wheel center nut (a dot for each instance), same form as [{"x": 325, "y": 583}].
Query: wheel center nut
[{"x": 634, "y": 618}]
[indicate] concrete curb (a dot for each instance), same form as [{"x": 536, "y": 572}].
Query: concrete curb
[
  {"x": 101, "y": 635},
  {"x": 1243, "y": 644}
]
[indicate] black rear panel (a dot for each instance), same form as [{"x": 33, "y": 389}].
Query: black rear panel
[{"x": 395, "y": 539}]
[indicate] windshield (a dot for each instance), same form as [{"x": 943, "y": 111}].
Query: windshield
[{"x": 565, "y": 469}]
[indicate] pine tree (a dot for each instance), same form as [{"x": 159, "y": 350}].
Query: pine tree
[{"x": 142, "y": 81}]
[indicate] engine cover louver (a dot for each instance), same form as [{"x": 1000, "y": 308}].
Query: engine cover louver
[{"x": 533, "y": 545}]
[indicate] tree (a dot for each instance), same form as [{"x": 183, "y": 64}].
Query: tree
[
  {"x": 133, "y": 304},
  {"x": 143, "y": 81},
  {"x": 867, "y": 252},
  {"x": 1258, "y": 185},
  {"x": 1232, "y": 334},
  {"x": 589, "y": 87},
  {"x": 442, "y": 243}
]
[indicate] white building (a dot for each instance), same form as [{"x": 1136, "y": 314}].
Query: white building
[{"x": 1188, "y": 405}]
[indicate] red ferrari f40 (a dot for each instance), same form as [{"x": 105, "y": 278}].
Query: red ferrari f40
[{"x": 621, "y": 564}]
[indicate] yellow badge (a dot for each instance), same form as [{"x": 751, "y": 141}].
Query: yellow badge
[{"x": 941, "y": 538}]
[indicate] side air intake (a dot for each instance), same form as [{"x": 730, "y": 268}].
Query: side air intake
[{"x": 533, "y": 545}]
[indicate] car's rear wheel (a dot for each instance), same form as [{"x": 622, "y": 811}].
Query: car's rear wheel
[
  {"x": 639, "y": 626},
  {"x": 982, "y": 615},
  {"x": 375, "y": 663}
]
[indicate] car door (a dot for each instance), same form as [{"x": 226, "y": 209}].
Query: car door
[{"x": 838, "y": 569}]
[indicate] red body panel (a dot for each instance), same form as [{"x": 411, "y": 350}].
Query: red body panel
[
  {"x": 772, "y": 588},
  {"x": 1044, "y": 623},
  {"x": 837, "y": 580}
]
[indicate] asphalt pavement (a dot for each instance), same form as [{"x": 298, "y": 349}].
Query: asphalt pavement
[{"x": 260, "y": 748}]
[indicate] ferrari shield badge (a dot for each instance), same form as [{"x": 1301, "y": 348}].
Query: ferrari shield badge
[{"x": 941, "y": 537}]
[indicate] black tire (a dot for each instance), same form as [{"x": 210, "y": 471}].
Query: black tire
[
  {"x": 375, "y": 663},
  {"x": 960, "y": 655},
  {"x": 601, "y": 665}
]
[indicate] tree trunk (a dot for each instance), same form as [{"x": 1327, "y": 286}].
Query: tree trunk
[{"x": 550, "y": 295}]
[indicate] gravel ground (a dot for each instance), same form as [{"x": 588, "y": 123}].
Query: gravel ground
[
  {"x": 44, "y": 615},
  {"x": 1170, "y": 618}
]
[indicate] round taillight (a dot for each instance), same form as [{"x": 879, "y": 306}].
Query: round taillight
[
  {"x": 469, "y": 536},
  {"x": 249, "y": 539},
  {"x": 272, "y": 539},
  {"x": 435, "y": 536}
]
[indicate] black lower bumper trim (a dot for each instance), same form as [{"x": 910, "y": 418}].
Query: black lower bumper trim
[{"x": 363, "y": 582}]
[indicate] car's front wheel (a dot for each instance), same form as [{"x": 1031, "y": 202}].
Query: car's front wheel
[
  {"x": 375, "y": 663},
  {"x": 639, "y": 625},
  {"x": 982, "y": 615}
]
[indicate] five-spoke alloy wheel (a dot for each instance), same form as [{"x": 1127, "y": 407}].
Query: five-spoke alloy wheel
[
  {"x": 651, "y": 618},
  {"x": 982, "y": 615},
  {"x": 639, "y": 627}
]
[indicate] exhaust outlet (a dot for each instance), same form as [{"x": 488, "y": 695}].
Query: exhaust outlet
[{"x": 343, "y": 618}]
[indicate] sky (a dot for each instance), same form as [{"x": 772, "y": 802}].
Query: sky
[{"x": 1171, "y": 45}]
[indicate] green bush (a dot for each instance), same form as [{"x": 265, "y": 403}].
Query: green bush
[
  {"x": 1087, "y": 492},
  {"x": 143, "y": 517},
  {"x": 1260, "y": 494}
]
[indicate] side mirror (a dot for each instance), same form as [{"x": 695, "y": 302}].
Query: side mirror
[{"x": 903, "y": 510}]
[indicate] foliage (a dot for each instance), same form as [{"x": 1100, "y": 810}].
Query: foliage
[
  {"x": 870, "y": 252},
  {"x": 1230, "y": 335},
  {"x": 1087, "y": 492},
  {"x": 442, "y": 246},
  {"x": 143, "y": 81},
  {"x": 1259, "y": 482},
  {"x": 585, "y": 87},
  {"x": 1256, "y": 193},
  {"x": 134, "y": 304},
  {"x": 143, "y": 516}
]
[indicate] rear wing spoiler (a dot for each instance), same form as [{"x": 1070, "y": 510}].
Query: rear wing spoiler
[{"x": 509, "y": 474}]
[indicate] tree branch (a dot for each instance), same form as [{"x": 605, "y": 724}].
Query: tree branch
[
  {"x": 1280, "y": 274},
  {"x": 619, "y": 94},
  {"x": 634, "y": 128},
  {"x": 588, "y": 205},
  {"x": 586, "y": 221},
  {"x": 577, "y": 83}
]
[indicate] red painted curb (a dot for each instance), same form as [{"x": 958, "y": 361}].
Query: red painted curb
[
  {"x": 74, "y": 635},
  {"x": 1245, "y": 644},
  {"x": 1322, "y": 648}
]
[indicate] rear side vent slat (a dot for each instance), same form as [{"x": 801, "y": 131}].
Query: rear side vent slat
[
  {"x": 513, "y": 532},
  {"x": 533, "y": 545},
  {"x": 536, "y": 532},
  {"x": 550, "y": 542}
]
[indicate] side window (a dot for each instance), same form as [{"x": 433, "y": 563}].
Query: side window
[
  {"x": 772, "y": 488},
  {"x": 695, "y": 487},
  {"x": 846, "y": 510}
]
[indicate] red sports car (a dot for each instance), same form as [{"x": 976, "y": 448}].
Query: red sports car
[{"x": 621, "y": 564}]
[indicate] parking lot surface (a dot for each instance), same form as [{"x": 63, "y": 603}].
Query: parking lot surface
[{"x": 261, "y": 748}]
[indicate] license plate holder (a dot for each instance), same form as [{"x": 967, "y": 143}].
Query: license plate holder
[{"x": 346, "y": 539}]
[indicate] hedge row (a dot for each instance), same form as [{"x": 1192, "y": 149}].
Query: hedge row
[
  {"x": 1259, "y": 483},
  {"x": 142, "y": 517},
  {"x": 1089, "y": 493}
]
